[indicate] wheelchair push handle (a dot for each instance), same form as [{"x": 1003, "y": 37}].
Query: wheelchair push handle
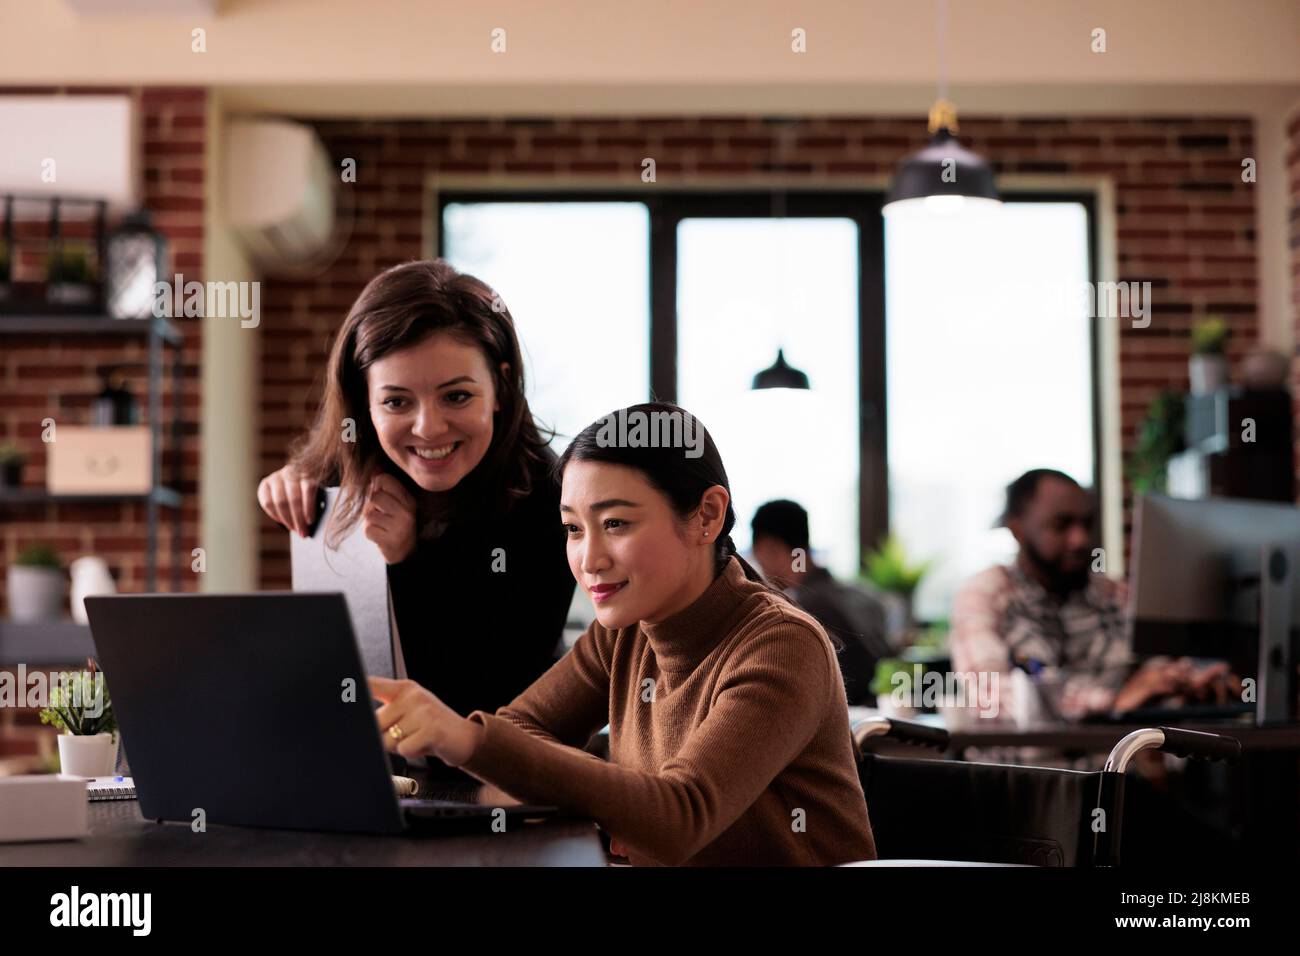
[
  {"x": 904, "y": 731},
  {"x": 923, "y": 735},
  {"x": 1199, "y": 744},
  {"x": 1181, "y": 743}
]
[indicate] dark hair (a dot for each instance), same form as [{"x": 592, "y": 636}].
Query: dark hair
[
  {"x": 398, "y": 308},
  {"x": 682, "y": 478},
  {"x": 784, "y": 520},
  {"x": 1021, "y": 491}
]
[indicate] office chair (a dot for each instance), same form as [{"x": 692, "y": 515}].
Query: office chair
[{"x": 957, "y": 812}]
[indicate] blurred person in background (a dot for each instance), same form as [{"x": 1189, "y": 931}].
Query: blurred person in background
[
  {"x": 848, "y": 613},
  {"x": 1051, "y": 616}
]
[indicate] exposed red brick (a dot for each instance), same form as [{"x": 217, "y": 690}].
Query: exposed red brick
[
  {"x": 1183, "y": 222},
  {"x": 56, "y": 376}
]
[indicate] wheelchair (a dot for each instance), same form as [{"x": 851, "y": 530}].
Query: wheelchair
[{"x": 953, "y": 812}]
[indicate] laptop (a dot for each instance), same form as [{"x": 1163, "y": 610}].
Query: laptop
[{"x": 254, "y": 708}]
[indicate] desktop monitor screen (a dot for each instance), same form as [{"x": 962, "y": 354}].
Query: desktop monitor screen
[{"x": 1197, "y": 576}]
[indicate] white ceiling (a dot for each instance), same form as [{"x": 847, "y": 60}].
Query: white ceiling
[{"x": 573, "y": 56}]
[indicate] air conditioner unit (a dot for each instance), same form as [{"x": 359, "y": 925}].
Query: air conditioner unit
[{"x": 279, "y": 190}]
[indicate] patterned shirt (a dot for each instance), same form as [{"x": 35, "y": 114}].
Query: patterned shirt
[{"x": 1076, "y": 650}]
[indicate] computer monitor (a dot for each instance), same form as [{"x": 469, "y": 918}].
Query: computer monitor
[{"x": 1217, "y": 577}]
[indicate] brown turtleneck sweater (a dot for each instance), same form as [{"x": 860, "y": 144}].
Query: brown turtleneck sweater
[{"x": 729, "y": 736}]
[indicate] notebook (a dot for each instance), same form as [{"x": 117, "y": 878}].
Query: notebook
[{"x": 110, "y": 788}]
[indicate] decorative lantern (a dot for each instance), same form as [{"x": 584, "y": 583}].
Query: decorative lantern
[{"x": 137, "y": 260}]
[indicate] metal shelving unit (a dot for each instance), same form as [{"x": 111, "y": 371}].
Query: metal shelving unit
[{"x": 161, "y": 334}]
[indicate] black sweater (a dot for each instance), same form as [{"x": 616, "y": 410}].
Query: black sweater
[{"x": 476, "y": 637}]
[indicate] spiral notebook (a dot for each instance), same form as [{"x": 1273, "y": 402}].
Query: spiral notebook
[{"x": 110, "y": 788}]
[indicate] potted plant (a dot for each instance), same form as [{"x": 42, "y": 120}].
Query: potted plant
[
  {"x": 36, "y": 585},
  {"x": 79, "y": 706},
  {"x": 11, "y": 465},
  {"x": 890, "y": 571},
  {"x": 69, "y": 277},
  {"x": 1207, "y": 369},
  {"x": 1159, "y": 438},
  {"x": 894, "y": 695}
]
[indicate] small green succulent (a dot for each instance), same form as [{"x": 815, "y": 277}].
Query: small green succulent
[
  {"x": 39, "y": 556},
  {"x": 79, "y": 703},
  {"x": 1209, "y": 336}
]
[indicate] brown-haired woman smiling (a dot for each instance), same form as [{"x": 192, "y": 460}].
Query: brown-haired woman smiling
[
  {"x": 425, "y": 427},
  {"x": 729, "y": 729}
]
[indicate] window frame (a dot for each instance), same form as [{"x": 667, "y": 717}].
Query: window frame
[{"x": 667, "y": 208}]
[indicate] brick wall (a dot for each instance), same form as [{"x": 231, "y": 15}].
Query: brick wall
[
  {"x": 1185, "y": 218},
  {"x": 55, "y": 376}
]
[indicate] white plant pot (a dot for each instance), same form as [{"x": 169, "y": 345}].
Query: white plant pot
[
  {"x": 35, "y": 594},
  {"x": 87, "y": 756},
  {"x": 1207, "y": 373},
  {"x": 90, "y": 576}
]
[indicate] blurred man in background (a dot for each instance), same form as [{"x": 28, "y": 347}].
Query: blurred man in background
[
  {"x": 851, "y": 616},
  {"x": 1052, "y": 616}
]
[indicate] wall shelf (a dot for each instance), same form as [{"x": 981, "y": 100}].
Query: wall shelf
[
  {"x": 163, "y": 495},
  {"x": 89, "y": 325},
  {"x": 63, "y": 642},
  {"x": 160, "y": 333}
]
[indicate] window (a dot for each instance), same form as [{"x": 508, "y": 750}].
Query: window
[
  {"x": 746, "y": 287},
  {"x": 575, "y": 277},
  {"x": 984, "y": 369},
  {"x": 990, "y": 373}
]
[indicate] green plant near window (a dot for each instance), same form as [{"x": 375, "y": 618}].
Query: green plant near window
[
  {"x": 889, "y": 569},
  {"x": 933, "y": 637},
  {"x": 79, "y": 703},
  {"x": 882, "y": 683},
  {"x": 39, "y": 556},
  {"x": 11, "y": 454},
  {"x": 73, "y": 266},
  {"x": 1159, "y": 438},
  {"x": 1209, "y": 336}
]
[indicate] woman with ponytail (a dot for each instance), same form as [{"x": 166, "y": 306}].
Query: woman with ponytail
[{"x": 729, "y": 730}]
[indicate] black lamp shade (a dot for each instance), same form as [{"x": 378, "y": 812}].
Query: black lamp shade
[
  {"x": 780, "y": 374},
  {"x": 921, "y": 174}
]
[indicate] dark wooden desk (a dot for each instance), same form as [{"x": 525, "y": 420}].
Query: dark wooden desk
[{"x": 119, "y": 836}]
